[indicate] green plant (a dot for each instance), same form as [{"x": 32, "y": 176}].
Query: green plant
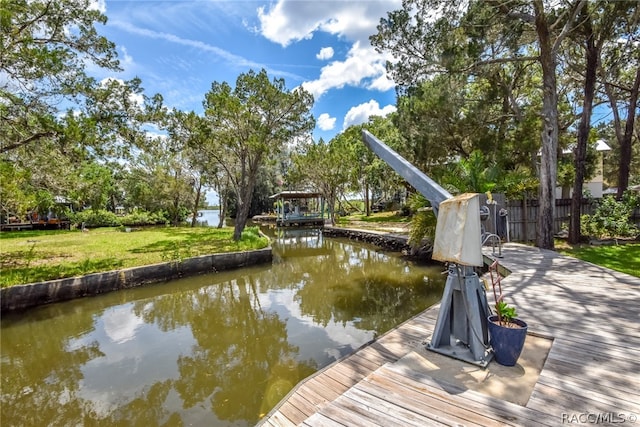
[
  {"x": 31, "y": 254},
  {"x": 505, "y": 312},
  {"x": 423, "y": 222},
  {"x": 96, "y": 218},
  {"x": 611, "y": 218}
]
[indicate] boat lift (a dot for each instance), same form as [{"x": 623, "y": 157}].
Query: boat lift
[{"x": 461, "y": 328}]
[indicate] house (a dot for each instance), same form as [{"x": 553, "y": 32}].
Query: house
[{"x": 595, "y": 185}]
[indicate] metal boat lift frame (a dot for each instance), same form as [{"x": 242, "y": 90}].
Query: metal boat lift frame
[{"x": 461, "y": 328}]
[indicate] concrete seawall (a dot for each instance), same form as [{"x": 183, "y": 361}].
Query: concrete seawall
[
  {"x": 24, "y": 296},
  {"x": 384, "y": 240}
]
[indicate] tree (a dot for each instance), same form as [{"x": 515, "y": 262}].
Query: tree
[
  {"x": 374, "y": 175},
  {"x": 599, "y": 23},
  {"x": 352, "y": 167},
  {"x": 471, "y": 174},
  {"x": 159, "y": 180},
  {"x": 592, "y": 52},
  {"x": 429, "y": 37},
  {"x": 54, "y": 118},
  {"x": 46, "y": 45},
  {"x": 322, "y": 166},
  {"x": 201, "y": 147},
  {"x": 619, "y": 71},
  {"x": 253, "y": 122},
  {"x": 192, "y": 137},
  {"x": 611, "y": 166},
  {"x": 445, "y": 117},
  {"x": 546, "y": 21}
]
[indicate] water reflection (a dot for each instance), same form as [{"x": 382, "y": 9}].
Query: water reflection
[{"x": 218, "y": 349}]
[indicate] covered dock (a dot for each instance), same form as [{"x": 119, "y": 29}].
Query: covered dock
[{"x": 299, "y": 209}]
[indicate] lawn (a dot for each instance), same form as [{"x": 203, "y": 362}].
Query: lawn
[
  {"x": 624, "y": 258},
  {"x": 33, "y": 256}
]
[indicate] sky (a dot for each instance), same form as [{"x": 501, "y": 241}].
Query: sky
[{"x": 178, "y": 48}]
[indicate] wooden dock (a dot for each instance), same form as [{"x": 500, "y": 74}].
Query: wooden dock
[{"x": 591, "y": 374}]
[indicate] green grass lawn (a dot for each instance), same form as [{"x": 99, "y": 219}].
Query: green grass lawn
[
  {"x": 33, "y": 256},
  {"x": 624, "y": 258}
]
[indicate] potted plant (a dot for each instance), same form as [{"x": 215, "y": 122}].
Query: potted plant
[{"x": 507, "y": 333}]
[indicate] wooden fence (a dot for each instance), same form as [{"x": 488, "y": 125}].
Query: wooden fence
[{"x": 522, "y": 218}]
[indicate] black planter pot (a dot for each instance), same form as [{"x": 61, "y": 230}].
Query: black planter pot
[{"x": 507, "y": 343}]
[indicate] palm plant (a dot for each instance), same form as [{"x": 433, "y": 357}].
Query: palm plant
[{"x": 423, "y": 222}]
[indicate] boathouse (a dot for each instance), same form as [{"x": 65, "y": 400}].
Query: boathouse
[{"x": 299, "y": 209}]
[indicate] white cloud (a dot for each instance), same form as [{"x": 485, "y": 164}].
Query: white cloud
[
  {"x": 325, "y": 53},
  {"x": 363, "y": 67},
  {"x": 99, "y": 5},
  {"x": 286, "y": 22},
  {"x": 326, "y": 122},
  {"x": 292, "y": 21},
  {"x": 382, "y": 83},
  {"x": 126, "y": 61},
  {"x": 361, "y": 113}
]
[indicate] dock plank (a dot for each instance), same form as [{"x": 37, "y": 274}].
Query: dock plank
[
  {"x": 405, "y": 416},
  {"x": 277, "y": 419},
  {"x": 600, "y": 390},
  {"x": 461, "y": 399},
  {"x": 595, "y": 374},
  {"x": 425, "y": 399},
  {"x": 321, "y": 420}
]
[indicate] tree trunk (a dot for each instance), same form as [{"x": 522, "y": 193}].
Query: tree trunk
[
  {"x": 222, "y": 210},
  {"x": 331, "y": 202},
  {"x": 222, "y": 188},
  {"x": 592, "y": 58},
  {"x": 549, "y": 136},
  {"x": 244, "y": 194},
  {"x": 241, "y": 221},
  {"x": 367, "y": 204},
  {"x": 194, "y": 217},
  {"x": 242, "y": 214},
  {"x": 626, "y": 142}
]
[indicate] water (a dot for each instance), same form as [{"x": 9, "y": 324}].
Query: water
[
  {"x": 208, "y": 217},
  {"x": 212, "y": 350}
]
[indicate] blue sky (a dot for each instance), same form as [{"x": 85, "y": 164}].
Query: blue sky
[{"x": 178, "y": 48}]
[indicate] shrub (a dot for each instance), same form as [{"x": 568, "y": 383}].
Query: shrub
[
  {"x": 612, "y": 218},
  {"x": 423, "y": 222},
  {"x": 139, "y": 218},
  {"x": 95, "y": 218},
  {"x": 252, "y": 234},
  {"x": 405, "y": 210}
]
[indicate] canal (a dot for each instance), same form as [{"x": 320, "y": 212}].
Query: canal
[{"x": 213, "y": 350}]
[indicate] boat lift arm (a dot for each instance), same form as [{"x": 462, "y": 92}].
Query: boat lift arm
[{"x": 414, "y": 176}]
